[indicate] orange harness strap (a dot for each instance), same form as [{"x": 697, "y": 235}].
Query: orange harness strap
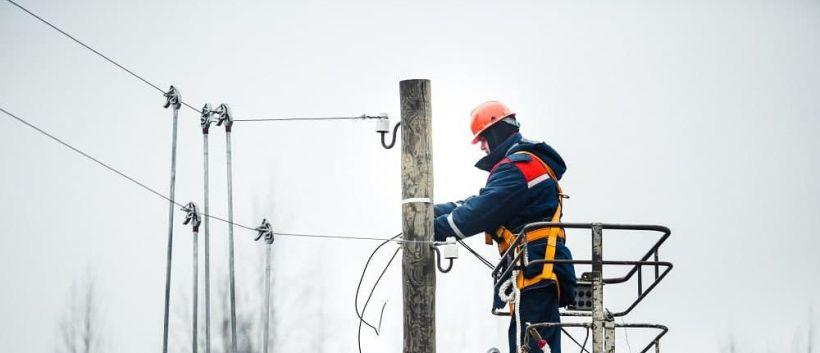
[{"x": 505, "y": 237}]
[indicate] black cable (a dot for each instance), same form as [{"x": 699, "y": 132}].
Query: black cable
[
  {"x": 586, "y": 338},
  {"x": 361, "y": 279},
  {"x": 476, "y": 254},
  {"x": 95, "y": 51},
  {"x": 360, "y": 315}
]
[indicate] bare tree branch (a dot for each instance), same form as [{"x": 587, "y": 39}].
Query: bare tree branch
[{"x": 79, "y": 328}]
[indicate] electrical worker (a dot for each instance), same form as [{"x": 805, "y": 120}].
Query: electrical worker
[{"x": 522, "y": 188}]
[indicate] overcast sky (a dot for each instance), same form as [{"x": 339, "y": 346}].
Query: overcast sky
[{"x": 699, "y": 115}]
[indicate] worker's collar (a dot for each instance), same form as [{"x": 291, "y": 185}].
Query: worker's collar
[{"x": 498, "y": 153}]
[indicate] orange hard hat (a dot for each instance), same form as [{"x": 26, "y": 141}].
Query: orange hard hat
[{"x": 487, "y": 114}]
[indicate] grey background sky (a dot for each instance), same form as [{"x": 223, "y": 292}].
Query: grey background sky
[{"x": 700, "y": 115}]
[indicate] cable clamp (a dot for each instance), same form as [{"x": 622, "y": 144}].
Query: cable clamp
[
  {"x": 172, "y": 98},
  {"x": 265, "y": 230},
  {"x": 191, "y": 216},
  {"x": 205, "y": 118},
  {"x": 417, "y": 200},
  {"x": 224, "y": 116}
]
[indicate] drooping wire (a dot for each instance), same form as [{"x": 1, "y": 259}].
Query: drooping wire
[
  {"x": 94, "y": 51},
  {"x": 626, "y": 337},
  {"x": 583, "y": 346},
  {"x": 358, "y": 287},
  {"x": 360, "y": 314},
  {"x": 166, "y": 198}
]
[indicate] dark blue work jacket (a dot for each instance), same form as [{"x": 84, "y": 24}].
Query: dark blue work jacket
[{"x": 508, "y": 200}]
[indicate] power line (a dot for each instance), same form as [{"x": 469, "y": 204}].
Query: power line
[
  {"x": 86, "y": 155},
  {"x": 156, "y": 87},
  {"x": 94, "y": 51},
  {"x": 361, "y": 117},
  {"x": 166, "y": 198}
]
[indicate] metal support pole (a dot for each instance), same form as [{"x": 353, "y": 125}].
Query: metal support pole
[
  {"x": 266, "y": 231},
  {"x": 205, "y": 122},
  {"x": 225, "y": 117},
  {"x": 609, "y": 335},
  {"x": 597, "y": 289},
  {"x": 195, "y": 312},
  {"x": 192, "y": 217},
  {"x": 172, "y": 99},
  {"x": 418, "y": 262},
  {"x": 267, "y": 300}
]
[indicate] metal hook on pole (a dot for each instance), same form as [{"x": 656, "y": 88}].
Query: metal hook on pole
[
  {"x": 205, "y": 121},
  {"x": 448, "y": 250},
  {"x": 224, "y": 116},
  {"x": 383, "y": 128},
  {"x": 172, "y": 99},
  {"x": 192, "y": 217},
  {"x": 266, "y": 231}
]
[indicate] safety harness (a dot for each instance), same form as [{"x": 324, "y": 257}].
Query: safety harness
[{"x": 535, "y": 171}]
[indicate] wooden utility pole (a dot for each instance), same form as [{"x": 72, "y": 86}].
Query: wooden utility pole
[{"x": 418, "y": 267}]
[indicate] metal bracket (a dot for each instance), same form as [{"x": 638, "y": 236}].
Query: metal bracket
[
  {"x": 192, "y": 216},
  {"x": 172, "y": 98},
  {"x": 383, "y": 128},
  {"x": 449, "y": 251},
  {"x": 265, "y": 230},
  {"x": 224, "y": 116}
]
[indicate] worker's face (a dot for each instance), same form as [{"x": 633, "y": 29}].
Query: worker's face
[{"x": 485, "y": 146}]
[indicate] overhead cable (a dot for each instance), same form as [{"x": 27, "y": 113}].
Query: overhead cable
[
  {"x": 360, "y": 117},
  {"x": 166, "y": 198},
  {"x": 154, "y": 86}
]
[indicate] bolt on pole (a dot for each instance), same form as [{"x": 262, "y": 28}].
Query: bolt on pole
[
  {"x": 225, "y": 117},
  {"x": 418, "y": 263},
  {"x": 172, "y": 99},
  {"x": 205, "y": 122},
  {"x": 597, "y": 289}
]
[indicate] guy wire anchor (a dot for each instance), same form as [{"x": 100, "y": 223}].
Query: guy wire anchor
[
  {"x": 172, "y": 99},
  {"x": 192, "y": 217}
]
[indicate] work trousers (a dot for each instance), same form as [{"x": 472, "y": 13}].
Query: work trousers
[{"x": 538, "y": 305}]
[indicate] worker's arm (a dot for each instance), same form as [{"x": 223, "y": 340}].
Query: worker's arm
[
  {"x": 447, "y": 207},
  {"x": 500, "y": 199}
]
